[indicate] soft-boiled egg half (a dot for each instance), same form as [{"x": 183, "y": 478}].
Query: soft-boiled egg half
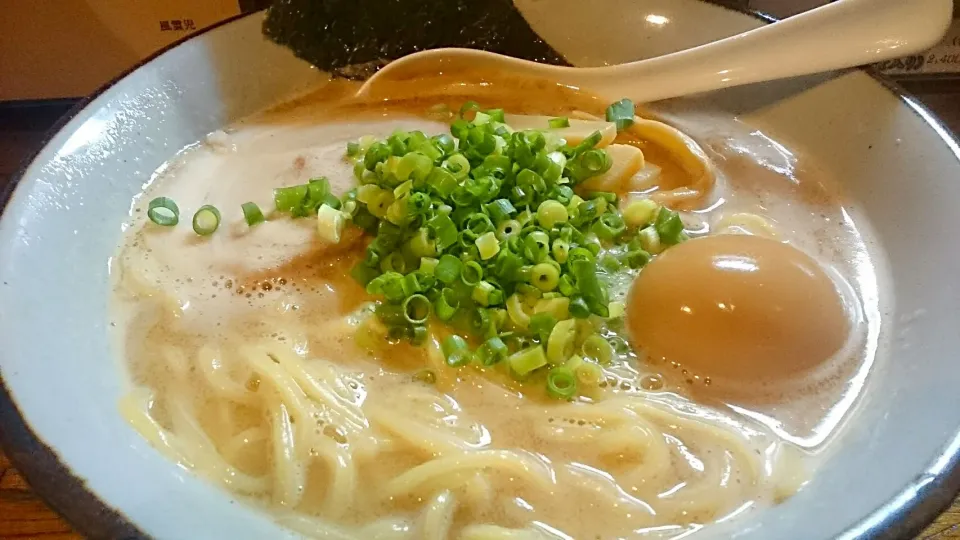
[{"x": 737, "y": 311}]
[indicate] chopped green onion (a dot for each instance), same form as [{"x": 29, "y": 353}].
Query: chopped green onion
[
  {"x": 288, "y": 199},
  {"x": 637, "y": 258},
  {"x": 448, "y": 269},
  {"x": 483, "y": 230},
  {"x": 608, "y": 196},
  {"x": 545, "y": 276},
  {"x": 500, "y": 210},
  {"x": 419, "y": 334},
  {"x": 550, "y": 213},
  {"x": 640, "y": 213},
  {"x": 206, "y": 220},
  {"x": 456, "y": 351},
  {"x": 595, "y": 347},
  {"x": 428, "y": 265},
  {"x": 589, "y": 286},
  {"x": 416, "y": 309},
  {"x": 330, "y": 223},
  {"x": 497, "y": 115},
  {"x": 541, "y": 324},
  {"x": 486, "y": 294},
  {"x": 593, "y": 243},
  {"x": 621, "y": 113},
  {"x": 579, "y": 308},
  {"x": 588, "y": 143},
  {"x": 558, "y": 307},
  {"x": 421, "y": 245},
  {"x": 557, "y": 123},
  {"x": 368, "y": 193},
  {"x": 479, "y": 224},
  {"x": 492, "y": 351},
  {"x": 482, "y": 323},
  {"x": 163, "y": 211},
  {"x": 561, "y": 342},
  {"x": 413, "y": 284},
  {"x": 588, "y": 164},
  {"x": 472, "y": 273},
  {"x": 458, "y": 166},
  {"x": 443, "y": 230},
  {"x": 609, "y": 227},
  {"x": 610, "y": 263},
  {"x": 535, "y": 246},
  {"x": 516, "y": 312},
  {"x": 469, "y": 107},
  {"x": 669, "y": 227},
  {"x": 488, "y": 245},
  {"x": 649, "y": 240},
  {"x": 414, "y": 166},
  {"x": 588, "y": 373},
  {"x": 508, "y": 228},
  {"x": 445, "y": 143},
  {"x": 446, "y": 305},
  {"x": 252, "y": 213},
  {"x": 566, "y": 287},
  {"x": 561, "y": 383},
  {"x": 527, "y": 360},
  {"x": 560, "y": 250}
]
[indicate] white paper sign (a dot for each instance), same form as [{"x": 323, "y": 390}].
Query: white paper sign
[{"x": 942, "y": 59}]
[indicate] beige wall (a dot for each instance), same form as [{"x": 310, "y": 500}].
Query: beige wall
[{"x": 69, "y": 48}]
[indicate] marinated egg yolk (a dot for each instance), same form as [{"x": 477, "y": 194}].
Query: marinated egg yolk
[{"x": 737, "y": 309}]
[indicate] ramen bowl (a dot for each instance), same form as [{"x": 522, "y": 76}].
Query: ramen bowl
[{"x": 892, "y": 463}]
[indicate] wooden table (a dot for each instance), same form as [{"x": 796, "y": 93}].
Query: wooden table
[{"x": 24, "y": 516}]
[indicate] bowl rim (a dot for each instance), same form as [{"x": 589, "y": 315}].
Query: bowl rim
[{"x": 903, "y": 516}]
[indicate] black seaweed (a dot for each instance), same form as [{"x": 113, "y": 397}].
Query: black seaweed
[{"x": 339, "y": 35}]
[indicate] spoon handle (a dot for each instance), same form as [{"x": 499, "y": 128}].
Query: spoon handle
[{"x": 842, "y": 34}]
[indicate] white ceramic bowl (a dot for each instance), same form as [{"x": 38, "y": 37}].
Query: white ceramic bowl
[{"x": 893, "y": 468}]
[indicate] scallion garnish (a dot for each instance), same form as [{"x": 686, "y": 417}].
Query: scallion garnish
[
  {"x": 596, "y": 348},
  {"x": 163, "y": 212},
  {"x": 251, "y": 213},
  {"x": 526, "y": 361},
  {"x": 561, "y": 383},
  {"x": 288, "y": 199},
  {"x": 416, "y": 308},
  {"x": 484, "y": 228},
  {"x": 456, "y": 351},
  {"x": 446, "y": 304},
  {"x": 206, "y": 220},
  {"x": 621, "y": 113}
]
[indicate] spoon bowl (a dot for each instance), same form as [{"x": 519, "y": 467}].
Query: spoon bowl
[{"x": 839, "y": 35}]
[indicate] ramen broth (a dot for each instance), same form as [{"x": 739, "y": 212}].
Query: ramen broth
[{"x": 252, "y": 363}]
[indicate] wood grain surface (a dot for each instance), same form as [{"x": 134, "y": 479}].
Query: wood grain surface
[{"x": 24, "y": 516}]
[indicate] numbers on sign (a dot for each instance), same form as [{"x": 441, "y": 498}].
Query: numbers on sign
[{"x": 909, "y": 63}]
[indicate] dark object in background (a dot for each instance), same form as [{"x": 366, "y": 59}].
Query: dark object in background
[{"x": 343, "y": 35}]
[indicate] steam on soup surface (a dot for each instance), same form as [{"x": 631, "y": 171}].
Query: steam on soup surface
[{"x": 313, "y": 368}]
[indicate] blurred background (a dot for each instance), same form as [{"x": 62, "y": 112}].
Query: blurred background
[{"x": 66, "y": 49}]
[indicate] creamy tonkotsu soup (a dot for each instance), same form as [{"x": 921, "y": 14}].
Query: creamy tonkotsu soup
[{"x": 487, "y": 312}]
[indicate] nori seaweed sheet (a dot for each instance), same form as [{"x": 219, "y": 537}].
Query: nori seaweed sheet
[{"x": 340, "y": 35}]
